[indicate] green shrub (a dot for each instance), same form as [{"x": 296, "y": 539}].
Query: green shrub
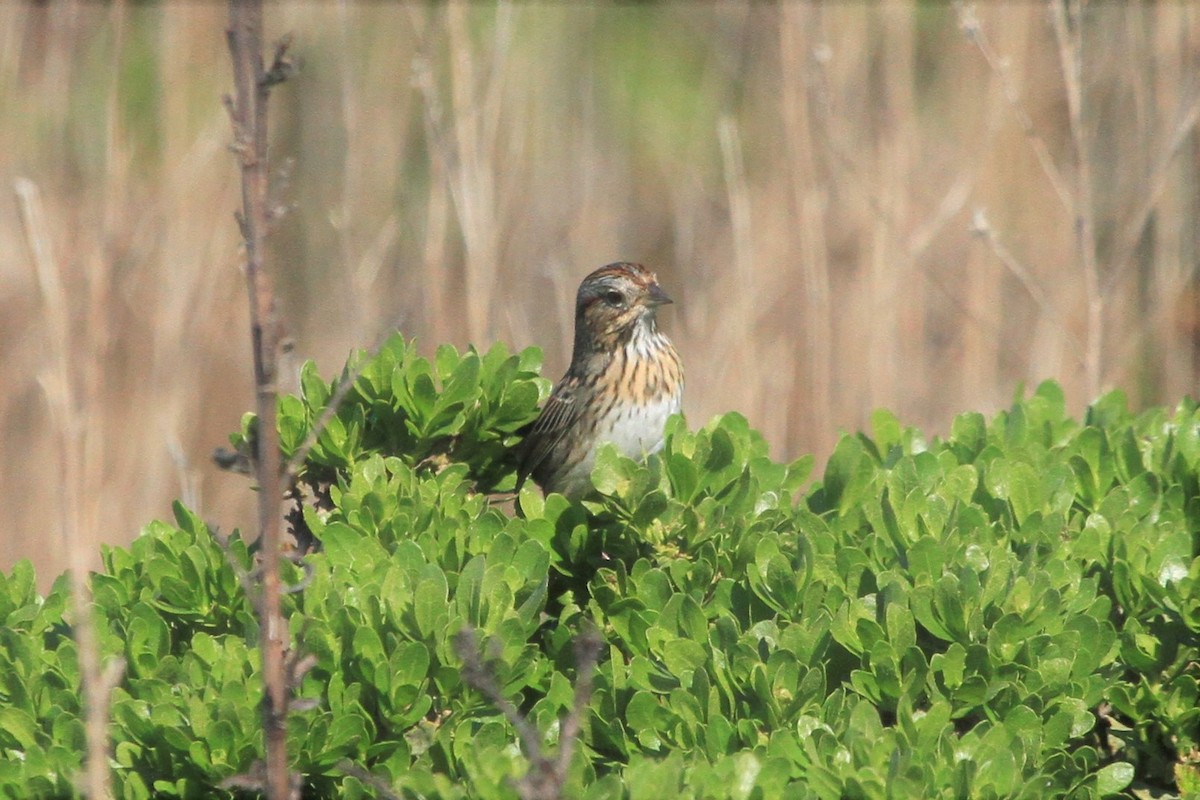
[{"x": 1013, "y": 611}]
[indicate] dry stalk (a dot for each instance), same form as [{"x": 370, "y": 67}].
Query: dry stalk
[
  {"x": 1068, "y": 30},
  {"x": 74, "y": 424},
  {"x": 437, "y": 221},
  {"x": 472, "y": 157},
  {"x": 740, "y": 311},
  {"x": 1164, "y": 170},
  {"x": 973, "y": 29},
  {"x": 981, "y": 228},
  {"x": 810, "y": 206},
  {"x": 1077, "y": 200},
  {"x": 843, "y": 151}
]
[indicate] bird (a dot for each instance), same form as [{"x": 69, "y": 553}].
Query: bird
[{"x": 625, "y": 379}]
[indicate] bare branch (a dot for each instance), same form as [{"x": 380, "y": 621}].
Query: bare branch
[
  {"x": 282, "y": 65},
  {"x": 375, "y": 782},
  {"x": 249, "y": 114},
  {"x": 588, "y": 646},
  {"x": 546, "y": 777},
  {"x": 481, "y": 676}
]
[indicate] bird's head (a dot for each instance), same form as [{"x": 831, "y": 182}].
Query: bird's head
[{"x": 615, "y": 302}]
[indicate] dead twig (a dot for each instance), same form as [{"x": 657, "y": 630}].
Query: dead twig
[{"x": 546, "y": 775}]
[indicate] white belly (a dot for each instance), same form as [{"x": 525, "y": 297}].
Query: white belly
[{"x": 635, "y": 430}]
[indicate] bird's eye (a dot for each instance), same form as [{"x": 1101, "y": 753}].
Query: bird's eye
[{"x": 614, "y": 298}]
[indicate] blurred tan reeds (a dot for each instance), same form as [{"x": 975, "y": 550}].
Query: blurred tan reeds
[{"x": 853, "y": 205}]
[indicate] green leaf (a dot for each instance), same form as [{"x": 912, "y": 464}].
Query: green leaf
[
  {"x": 148, "y": 640},
  {"x": 445, "y": 360},
  {"x": 368, "y": 646},
  {"x": 1017, "y": 483},
  {"x": 969, "y": 431},
  {"x": 18, "y": 727},
  {"x": 848, "y": 474},
  {"x": 609, "y": 473},
  {"x": 316, "y": 390},
  {"x": 720, "y": 454},
  {"x": 684, "y": 476},
  {"x": 642, "y": 712},
  {"x": 886, "y": 429},
  {"x": 430, "y": 601},
  {"x": 683, "y": 656},
  {"x": 463, "y": 383},
  {"x": 901, "y": 629},
  {"x": 424, "y": 395},
  {"x": 1187, "y": 778},
  {"x": 292, "y": 423},
  {"x": 532, "y": 503},
  {"x": 951, "y": 664},
  {"x": 1109, "y": 410},
  {"x": 1114, "y": 778},
  {"x": 468, "y": 597}
]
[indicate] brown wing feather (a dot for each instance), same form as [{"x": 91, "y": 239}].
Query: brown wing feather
[{"x": 557, "y": 417}]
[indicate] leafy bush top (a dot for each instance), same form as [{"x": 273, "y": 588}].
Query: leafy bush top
[{"x": 1012, "y": 611}]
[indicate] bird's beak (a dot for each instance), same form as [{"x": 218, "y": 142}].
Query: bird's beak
[{"x": 657, "y": 296}]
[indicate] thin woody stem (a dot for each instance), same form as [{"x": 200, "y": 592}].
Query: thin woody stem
[{"x": 249, "y": 112}]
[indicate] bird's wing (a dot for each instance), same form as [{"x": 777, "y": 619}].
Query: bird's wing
[{"x": 557, "y": 417}]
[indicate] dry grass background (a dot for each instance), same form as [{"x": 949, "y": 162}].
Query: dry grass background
[{"x": 912, "y": 205}]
